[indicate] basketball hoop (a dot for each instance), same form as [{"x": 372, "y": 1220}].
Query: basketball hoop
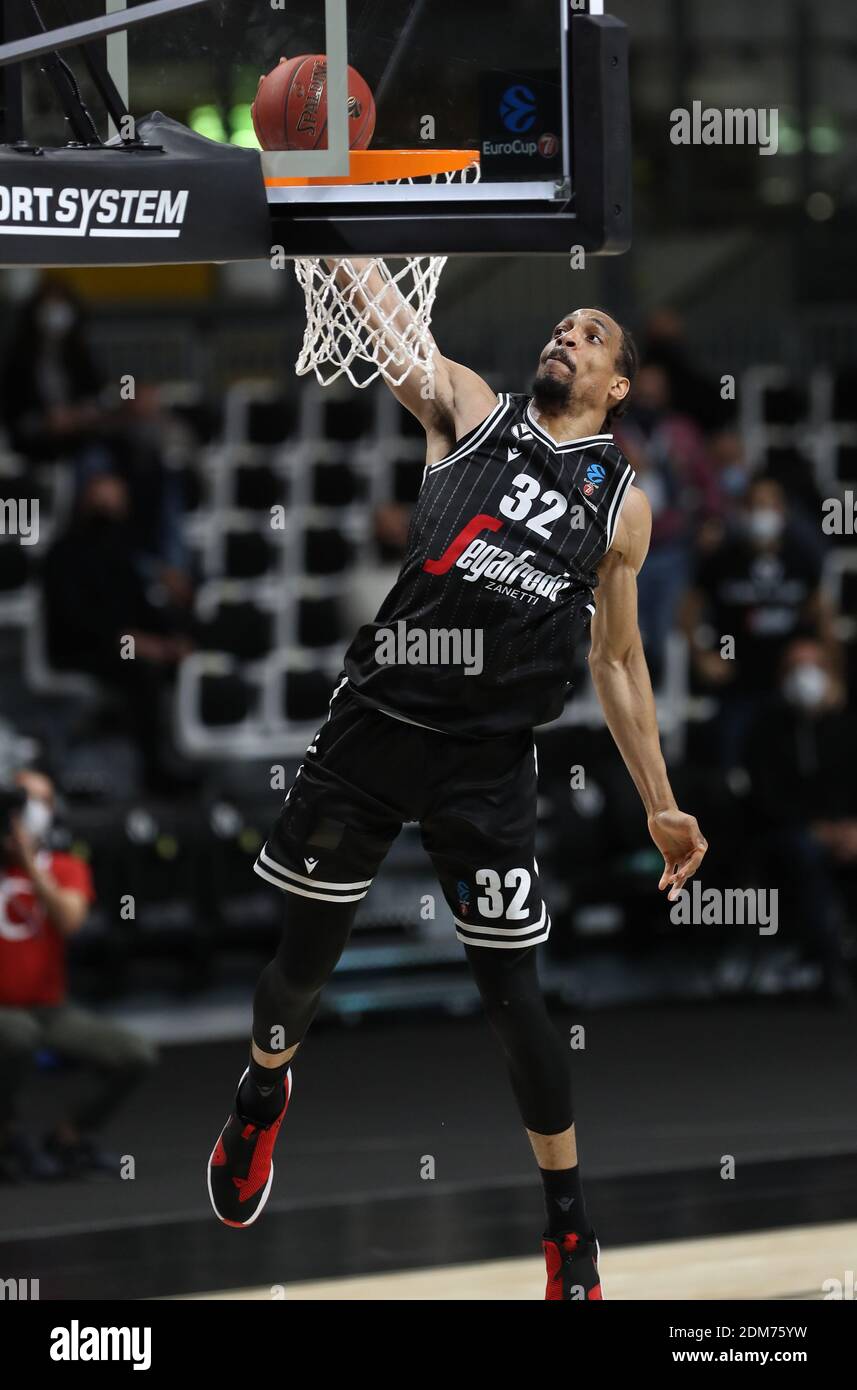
[{"x": 368, "y": 320}]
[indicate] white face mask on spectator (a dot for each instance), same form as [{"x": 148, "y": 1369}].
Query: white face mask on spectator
[
  {"x": 37, "y": 818},
  {"x": 806, "y": 686},
  {"x": 764, "y": 523}
]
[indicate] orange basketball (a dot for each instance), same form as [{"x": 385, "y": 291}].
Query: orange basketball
[{"x": 290, "y": 110}]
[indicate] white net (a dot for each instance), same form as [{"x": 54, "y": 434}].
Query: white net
[
  {"x": 355, "y": 330},
  {"x": 365, "y": 319}
]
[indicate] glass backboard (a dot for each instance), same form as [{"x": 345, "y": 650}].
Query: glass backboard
[{"x": 441, "y": 78}]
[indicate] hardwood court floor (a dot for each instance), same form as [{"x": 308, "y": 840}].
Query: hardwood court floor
[{"x": 786, "y": 1264}]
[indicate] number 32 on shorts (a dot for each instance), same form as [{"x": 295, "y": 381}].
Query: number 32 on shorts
[{"x": 492, "y": 903}]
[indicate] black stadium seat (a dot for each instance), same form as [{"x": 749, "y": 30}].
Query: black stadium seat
[
  {"x": 258, "y": 487},
  {"x": 784, "y": 405},
  {"x": 225, "y": 700},
  {"x": 844, "y": 404},
  {"x": 14, "y": 566},
  {"x": 846, "y": 463},
  {"x": 248, "y": 555},
  {"x": 336, "y": 485},
  {"x": 319, "y": 622},
  {"x": 348, "y": 419},
  {"x": 270, "y": 421},
  {"x": 326, "y": 550},
  {"x": 193, "y": 486},
  {"x": 306, "y": 694},
  {"x": 200, "y": 418},
  {"x": 849, "y": 592},
  {"x": 241, "y": 629},
  {"x": 407, "y": 479}
]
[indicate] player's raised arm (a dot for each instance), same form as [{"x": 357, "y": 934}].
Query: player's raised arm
[
  {"x": 448, "y": 399},
  {"x": 621, "y": 679}
]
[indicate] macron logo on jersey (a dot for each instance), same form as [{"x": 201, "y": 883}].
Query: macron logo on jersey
[{"x": 520, "y": 433}]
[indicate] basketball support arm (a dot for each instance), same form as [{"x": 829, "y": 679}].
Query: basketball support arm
[
  {"x": 45, "y": 44},
  {"x": 70, "y": 34}
]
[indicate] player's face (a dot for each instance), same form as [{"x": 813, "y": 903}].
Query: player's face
[{"x": 582, "y": 352}]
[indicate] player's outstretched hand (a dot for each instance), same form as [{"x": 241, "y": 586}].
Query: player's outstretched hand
[{"x": 682, "y": 843}]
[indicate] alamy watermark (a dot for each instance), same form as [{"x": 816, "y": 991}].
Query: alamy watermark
[
  {"x": 840, "y": 514},
  {"x": 432, "y": 646},
  {"x": 734, "y": 125},
  {"x": 19, "y": 1290},
  {"x": 19, "y": 516},
  {"x": 729, "y": 907},
  {"x": 80, "y": 1342}
]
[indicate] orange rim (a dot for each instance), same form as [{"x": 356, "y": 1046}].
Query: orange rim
[{"x": 379, "y": 166}]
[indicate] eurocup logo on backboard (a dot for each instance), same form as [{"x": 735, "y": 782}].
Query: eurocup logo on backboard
[
  {"x": 518, "y": 109},
  {"x": 518, "y": 118}
]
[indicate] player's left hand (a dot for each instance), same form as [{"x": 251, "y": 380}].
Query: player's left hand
[{"x": 682, "y": 843}]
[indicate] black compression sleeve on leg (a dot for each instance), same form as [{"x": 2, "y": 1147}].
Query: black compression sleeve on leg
[
  {"x": 290, "y": 986},
  {"x": 538, "y": 1063}
]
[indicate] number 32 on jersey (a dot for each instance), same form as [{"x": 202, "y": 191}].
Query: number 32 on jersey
[
  {"x": 492, "y": 902},
  {"x": 519, "y": 506}
]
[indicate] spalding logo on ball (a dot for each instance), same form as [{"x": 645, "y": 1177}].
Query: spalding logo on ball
[{"x": 290, "y": 110}]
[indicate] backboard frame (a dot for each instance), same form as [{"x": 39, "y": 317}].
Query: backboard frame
[{"x": 590, "y": 207}]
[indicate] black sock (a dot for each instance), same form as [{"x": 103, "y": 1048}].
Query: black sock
[
  {"x": 564, "y": 1204},
  {"x": 260, "y": 1096}
]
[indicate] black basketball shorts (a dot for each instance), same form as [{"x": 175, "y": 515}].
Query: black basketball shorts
[{"x": 366, "y": 773}]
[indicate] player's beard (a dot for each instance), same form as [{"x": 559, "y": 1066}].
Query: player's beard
[{"x": 552, "y": 393}]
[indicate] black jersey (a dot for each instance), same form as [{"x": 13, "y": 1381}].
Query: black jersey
[{"x": 478, "y": 634}]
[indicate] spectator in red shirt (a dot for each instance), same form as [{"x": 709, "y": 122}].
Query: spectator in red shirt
[{"x": 44, "y": 900}]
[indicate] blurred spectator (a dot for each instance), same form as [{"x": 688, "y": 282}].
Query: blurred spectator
[
  {"x": 794, "y": 473},
  {"x": 761, "y": 586},
  {"x": 729, "y": 460},
  {"x": 786, "y": 467},
  {"x": 693, "y": 392},
  {"x": 55, "y": 407},
  {"x": 94, "y": 598},
  {"x": 44, "y": 900},
  {"x": 668, "y": 452},
  {"x": 801, "y": 756},
  {"x": 138, "y": 441},
  {"x": 50, "y": 382},
  {"x": 371, "y": 581}
]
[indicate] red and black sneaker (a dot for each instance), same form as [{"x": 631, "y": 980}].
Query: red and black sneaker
[
  {"x": 241, "y": 1166},
  {"x": 572, "y": 1267}
]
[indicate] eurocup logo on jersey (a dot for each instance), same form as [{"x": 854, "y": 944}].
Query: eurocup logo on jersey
[
  {"x": 595, "y": 475},
  {"x": 506, "y": 573}
]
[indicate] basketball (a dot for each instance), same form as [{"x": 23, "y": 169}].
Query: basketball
[{"x": 290, "y": 109}]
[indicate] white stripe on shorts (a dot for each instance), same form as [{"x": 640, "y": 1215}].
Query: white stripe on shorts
[
  {"x": 288, "y": 880},
  {"x": 475, "y": 934}
]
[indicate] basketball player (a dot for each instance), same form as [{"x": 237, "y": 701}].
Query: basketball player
[{"x": 526, "y": 534}]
